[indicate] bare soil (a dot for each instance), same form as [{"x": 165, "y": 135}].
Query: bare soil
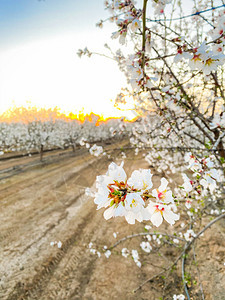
[{"x": 45, "y": 202}]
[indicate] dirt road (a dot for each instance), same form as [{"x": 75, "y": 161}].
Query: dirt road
[{"x": 44, "y": 203}]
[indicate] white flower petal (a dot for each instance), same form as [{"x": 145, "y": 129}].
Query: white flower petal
[
  {"x": 157, "y": 219},
  {"x": 163, "y": 185},
  {"x": 109, "y": 213},
  {"x": 170, "y": 216}
]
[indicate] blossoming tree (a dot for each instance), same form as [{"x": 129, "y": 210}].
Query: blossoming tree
[{"x": 174, "y": 65}]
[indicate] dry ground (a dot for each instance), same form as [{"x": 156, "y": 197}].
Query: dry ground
[{"x": 41, "y": 203}]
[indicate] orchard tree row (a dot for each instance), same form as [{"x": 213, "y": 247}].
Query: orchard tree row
[{"x": 43, "y": 135}]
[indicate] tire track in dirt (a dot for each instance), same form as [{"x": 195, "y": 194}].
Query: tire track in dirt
[
  {"x": 33, "y": 178},
  {"x": 39, "y": 282},
  {"x": 31, "y": 256},
  {"x": 41, "y": 279},
  {"x": 32, "y": 183},
  {"x": 55, "y": 208}
]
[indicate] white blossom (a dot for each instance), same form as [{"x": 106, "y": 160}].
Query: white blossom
[
  {"x": 145, "y": 246},
  {"x": 107, "y": 253},
  {"x": 179, "y": 297},
  {"x": 189, "y": 234},
  {"x": 125, "y": 252}
]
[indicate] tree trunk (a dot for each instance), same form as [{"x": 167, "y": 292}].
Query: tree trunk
[{"x": 41, "y": 152}]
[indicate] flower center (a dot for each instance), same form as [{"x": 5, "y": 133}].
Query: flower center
[
  {"x": 196, "y": 57},
  {"x": 117, "y": 192},
  {"x": 209, "y": 62},
  {"x": 161, "y": 195},
  {"x": 157, "y": 209}
]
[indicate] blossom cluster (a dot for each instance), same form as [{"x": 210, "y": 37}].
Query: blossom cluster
[
  {"x": 204, "y": 170},
  {"x": 201, "y": 58},
  {"x": 205, "y": 57},
  {"x": 128, "y": 197},
  {"x": 96, "y": 150}
]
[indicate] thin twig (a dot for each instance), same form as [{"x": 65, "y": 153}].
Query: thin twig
[
  {"x": 183, "y": 276},
  {"x": 144, "y": 32},
  {"x": 143, "y": 234}
]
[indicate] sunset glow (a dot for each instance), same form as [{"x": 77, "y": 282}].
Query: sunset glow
[{"x": 28, "y": 114}]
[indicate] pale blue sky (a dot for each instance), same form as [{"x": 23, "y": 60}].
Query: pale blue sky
[{"x": 22, "y": 21}]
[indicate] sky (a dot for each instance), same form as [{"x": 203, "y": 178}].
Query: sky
[{"x": 38, "y": 61}]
